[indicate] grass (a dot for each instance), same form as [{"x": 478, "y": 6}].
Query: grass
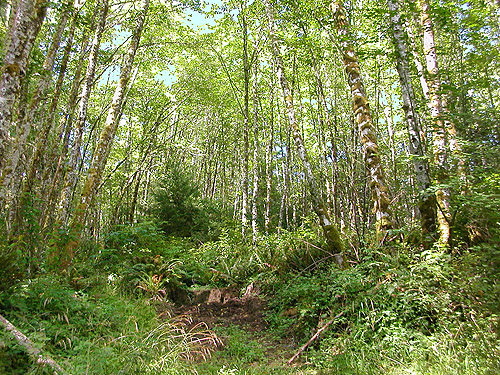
[{"x": 418, "y": 313}]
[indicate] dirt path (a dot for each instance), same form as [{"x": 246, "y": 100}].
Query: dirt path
[{"x": 220, "y": 308}]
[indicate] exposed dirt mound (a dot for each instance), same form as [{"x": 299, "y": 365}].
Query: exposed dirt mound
[{"x": 223, "y": 307}]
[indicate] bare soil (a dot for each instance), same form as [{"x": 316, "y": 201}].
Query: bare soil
[{"x": 223, "y": 307}]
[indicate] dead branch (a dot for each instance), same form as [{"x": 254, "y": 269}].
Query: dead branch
[
  {"x": 33, "y": 352},
  {"x": 314, "y": 337}
]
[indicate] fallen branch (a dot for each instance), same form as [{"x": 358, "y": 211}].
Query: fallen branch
[
  {"x": 314, "y": 337},
  {"x": 33, "y": 352}
]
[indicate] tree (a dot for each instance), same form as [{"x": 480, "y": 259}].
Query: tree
[
  {"x": 362, "y": 114},
  {"x": 103, "y": 147},
  {"x": 12, "y": 174},
  {"x": 440, "y": 147},
  {"x": 24, "y": 24},
  {"x": 426, "y": 202},
  {"x": 331, "y": 233},
  {"x": 88, "y": 83}
]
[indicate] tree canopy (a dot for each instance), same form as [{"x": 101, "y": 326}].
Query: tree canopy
[{"x": 325, "y": 151}]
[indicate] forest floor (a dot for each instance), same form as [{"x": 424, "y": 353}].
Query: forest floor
[{"x": 245, "y": 344}]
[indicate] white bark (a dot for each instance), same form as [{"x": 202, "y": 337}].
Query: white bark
[
  {"x": 36, "y": 354},
  {"x": 416, "y": 148},
  {"x": 75, "y": 157},
  {"x": 105, "y": 142},
  {"x": 246, "y": 121},
  {"x": 25, "y": 23},
  {"x": 269, "y": 176},
  {"x": 330, "y": 231},
  {"x": 439, "y": 132},
  {"x": 11, "y": 172},
  {"x": 49, "y": 117},
  {"x": 255, "y": 161}
]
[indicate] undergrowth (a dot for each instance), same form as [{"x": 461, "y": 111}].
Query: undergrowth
[{"x": 403, "y": 311}]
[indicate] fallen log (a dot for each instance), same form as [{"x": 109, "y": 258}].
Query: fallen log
[
  {"x": 314, "y": 337},
  {"x": 31, "y": 349}
]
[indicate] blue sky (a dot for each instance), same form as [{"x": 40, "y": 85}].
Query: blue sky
[{"x": 197, "y": 21}]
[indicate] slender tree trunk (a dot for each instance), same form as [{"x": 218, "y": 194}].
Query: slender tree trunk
[
  {"x": 330, "y": 231},
  {"x": 378, "y": 185},
  {"x": 427, "y": 202},
  {"x": 333, "y": 189},
  {"x": 269, "y": 167},
  {"x": 50, "y": 116},
  {"x": 25, "y": 124},
  {"x": 246, "y": 120},
  {"x": 25, "y": 23},
  {"x": 456, "y": 156},
  {"x": 416, "y": 60},
  {"x": 439, "y": 132},
  {"x": 108, "y": 132},
  {"x": 255, "y": 161},
  {"x": 33, "y": 351},
  {"x": 55, "y": 180},
  {"x": 456, "y": 153},
  {"x": 72, "y": 171}
]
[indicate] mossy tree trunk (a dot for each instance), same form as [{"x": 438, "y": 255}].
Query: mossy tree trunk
[
  {"x": 427, "y": 200},
  {"x": 331, "y": 233},
  {"x": 32, "y": 116},
  {"x": 103, "y": 147},
  {"x": 440, "y": 146},
  {"x": 48, "y": 119},
  {"x": 71, "y": 177},
  {"x": 24, "y": 25},
  {"x": 363, "y": 117},
  {"x": 53, "y": 178}
]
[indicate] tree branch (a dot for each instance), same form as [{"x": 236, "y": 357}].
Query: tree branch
[
  {"x": 314, "y": 337},
  {"x": 35, "y": 353}
]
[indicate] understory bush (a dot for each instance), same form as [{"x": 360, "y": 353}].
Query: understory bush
[
  {"x": 415, "y": 313},
  {"x": 399, "y": 311},
  {"x": 182, "y": 212},
  {"x": 97, "y": 331},
  {"x": 233, "y": 259}
]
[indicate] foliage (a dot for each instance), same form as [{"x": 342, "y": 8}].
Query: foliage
[
  {"x": 169, "y": 212},
  {"x": 414, "y": 311},
  {"x": 478, "y": 214},
  {"x": 10, "y": 270},
  {"x": 181, "y": 211},
  {"x": 95, "y": 331},
  {"x": 139, "y": 258},
  {"x": 231, "y": 259}
]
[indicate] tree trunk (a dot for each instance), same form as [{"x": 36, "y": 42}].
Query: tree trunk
[
  {"x": 35, "y": 353},
  {"x": 333, "y": 189},
  {"x": 72, "y": 171},
  {"x": 54, "y": 181},
  {"x": 269, "y": 167},
  {"x": 427, "y": 202},
  {"x": 330, "y": 231},
  {"x": 108, "y": 132},
  {"x": 361, "y": 109},
  {"x": 439, "y": 132},
  {"x": 255, "y": 161},
  {"x": 30, "y": 117},
  {"x": 246, "y": 120},
  {"x": 25, "y": 23},
  {"x": 49, "y": 117}
]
